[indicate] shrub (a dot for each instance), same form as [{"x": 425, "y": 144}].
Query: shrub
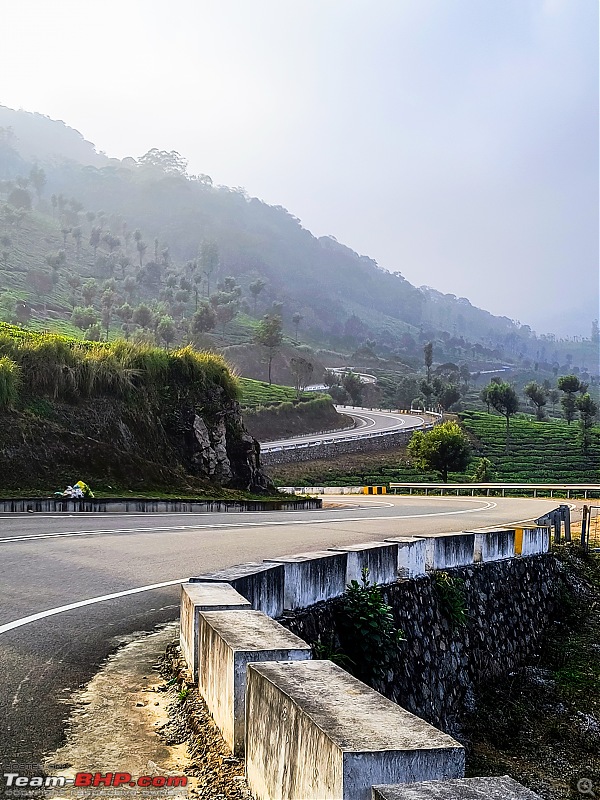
[{"x": 9, "y": 382}]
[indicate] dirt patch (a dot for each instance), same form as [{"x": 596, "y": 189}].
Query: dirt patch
[{"x": 141, "y": 714}]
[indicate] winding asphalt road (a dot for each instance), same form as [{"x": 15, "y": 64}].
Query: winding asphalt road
[
  {"x": 366, "y": 422},
  {"x": 75, "y": 587}
]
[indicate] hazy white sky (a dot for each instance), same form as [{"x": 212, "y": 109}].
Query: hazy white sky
[{"x": 453, "y": 140}]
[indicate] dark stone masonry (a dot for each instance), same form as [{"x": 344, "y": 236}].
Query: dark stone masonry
[{"x": 509, "y": 606}]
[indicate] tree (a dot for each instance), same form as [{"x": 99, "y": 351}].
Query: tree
[
  {"x": 84, "y": 318},
  {"x": 504, "y": 399},
  {"x": 209, "y": 261},
  {"x": 89, "y": 291},
  {"x": 204, "y": 319},
  {"x": 428, "y": 355},
  {"x": 225, "y": 313},
  {"x": 587, "y": 414},
  {"x": 445, "y": 448},
  {"x": 77, "y": 234},
  {"x": 143, "y": 316},
  {"x": 570, "y": 385},
  {"x": 269, "y": 334},
  {"x": 20, "y": 198},
  {"x": 141, "y": 248},
  {"x": 37, "y": 176},
  {"x": 302, "y": 370},
  {"x": 166, "y": 330},
  {"x": 296, "y": 319},
  {"x": 448, "y": 395},
  {"x": 255, "y": 289},
  {"x": 353, "y": 385},
  {"x": 538, "y": 396},
  {"x": 95, "y": 235},
  {"x": 40, "y": 282}
]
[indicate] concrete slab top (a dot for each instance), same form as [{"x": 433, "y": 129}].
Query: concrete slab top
[
  {"x": 231, "y": 573},
  {"x": 503, "y": 788},
  {"x": 298, "y": 558},
  {"x": 405, "y": 539},
  {"x": 252, "y": 631},
  {"x": 353, "y": 716},
  {"x": 356, "y": 548},
  {"x": 214, "y": 594}
]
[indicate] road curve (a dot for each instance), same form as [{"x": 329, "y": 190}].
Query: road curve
[
  {"x": 75, "y": 587},
  {"x": 366, "y": 422}
]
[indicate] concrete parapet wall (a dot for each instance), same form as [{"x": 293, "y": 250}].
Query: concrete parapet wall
[
  {"x": 379, "y": 558},
  {"x": 450, "y": 550},
  {"x": 262, "y": 584},
  {"x": 310, "y": 578},
  {"x": 494, "y": 545},
  {"x": 532, "y": 541},
  {"x": 144, "y": 506},
  {"x": 411, "y": 555},
  {"x": 196, "y": 597},
  {"x": 314, "y": 732},
  {"x": 228, "y": 642},
  {"x": 462, "y": 789},
  {"x": 321, "y": 489}
]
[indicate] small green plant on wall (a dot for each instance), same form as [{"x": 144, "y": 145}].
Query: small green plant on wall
[
  {"x": 451, "y": 593},
  {"x": 368, "y": 633}
]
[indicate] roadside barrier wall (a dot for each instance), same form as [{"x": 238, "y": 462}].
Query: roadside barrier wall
[
  {"x": 144, "y": 506},
  {"x": 309, "y": 727}
]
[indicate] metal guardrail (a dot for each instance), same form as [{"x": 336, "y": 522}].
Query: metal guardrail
[
  {"x": 265, "y": 448},
  {"x": 585, "y": 489}
]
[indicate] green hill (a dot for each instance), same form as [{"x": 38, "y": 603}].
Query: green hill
[{"x": 171, "y": 240}]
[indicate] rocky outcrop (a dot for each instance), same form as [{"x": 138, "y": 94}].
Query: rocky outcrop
[{"x": 112, "y": 443}]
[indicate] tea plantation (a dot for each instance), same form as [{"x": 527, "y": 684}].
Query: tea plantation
[{"x": 539, "y": 452}]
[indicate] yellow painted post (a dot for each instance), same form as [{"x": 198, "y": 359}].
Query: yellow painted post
[{"x": 518, "y": 541}]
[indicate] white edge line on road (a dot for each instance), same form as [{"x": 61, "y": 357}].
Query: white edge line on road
[
  {"x": 18, "y": 623},
  {"x": 9, "y": 626},
  {"x": 227, "y": 525}
]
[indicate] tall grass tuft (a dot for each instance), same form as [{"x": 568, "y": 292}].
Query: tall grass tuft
[
  {"x": 69, "y": 369},
  {"x": 10, "y": 378}
]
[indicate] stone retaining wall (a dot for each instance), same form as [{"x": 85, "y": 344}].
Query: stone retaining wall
[
  {"x": 509, "y": 605},
  {"x": 333, "y": 449}
]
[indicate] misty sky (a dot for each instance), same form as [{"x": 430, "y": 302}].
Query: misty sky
[{"x": 453, "y": 140}]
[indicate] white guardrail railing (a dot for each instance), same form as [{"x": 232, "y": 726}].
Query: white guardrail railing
[{"x": 266, "y": 448}]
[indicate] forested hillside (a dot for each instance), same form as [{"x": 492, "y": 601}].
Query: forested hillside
[{"x": 138, "y": 247}]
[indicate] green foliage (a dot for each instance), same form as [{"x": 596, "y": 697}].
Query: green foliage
[
  {"x": 484, "y": 472},
  {"x": 69, "y": 369},
  {"x": 9, "y": 382},
  {"x": 538, "y": 396},
  {"x": 442, "y": 449},
  {"x": 546, "y": 452},
  {"x": 369, "y": 635},
  {"x": 259, "y": 393},
  {"x": 451, "y": 593},
  {"x": 269, "y": 334},
  {"x": 502, "y": 397}
]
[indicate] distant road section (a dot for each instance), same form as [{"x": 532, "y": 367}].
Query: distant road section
[{"x": 368, "y": 424}]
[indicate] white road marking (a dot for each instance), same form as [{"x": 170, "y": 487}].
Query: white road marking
[
  {"x": 227, "y": 525},
  {"x": 18, "y": 623}
]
